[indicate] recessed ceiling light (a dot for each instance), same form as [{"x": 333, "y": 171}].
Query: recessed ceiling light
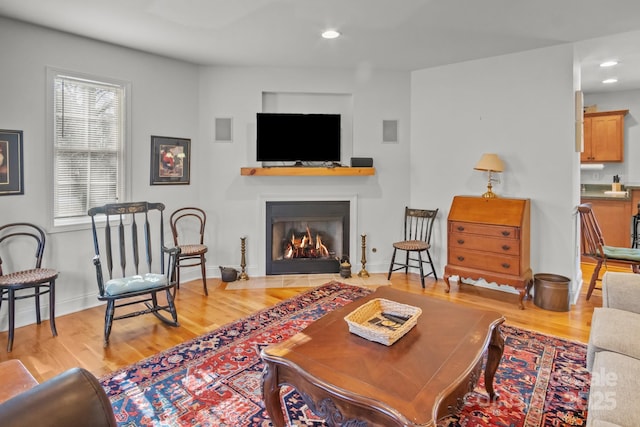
[
  {"x": 607, "y": 81},
  {"x": 330, "y": 34},
  {"x": 609, "y": 63}
]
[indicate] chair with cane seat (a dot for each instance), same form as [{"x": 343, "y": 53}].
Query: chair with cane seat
[
  {"x": 418, "y": 225},
  {"x": 187, "y": 227},
  {"x": 594, "y": 247},
  {"x": 35, "y": 281},
  {"x": 139, "y": 268}
]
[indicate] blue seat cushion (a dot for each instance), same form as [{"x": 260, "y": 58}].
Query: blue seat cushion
[
  {"x": 134, "y": 283},
  {"x": 628, "y": 254}
]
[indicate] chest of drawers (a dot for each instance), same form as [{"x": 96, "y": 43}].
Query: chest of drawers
[{"x": 490, "y": 239}]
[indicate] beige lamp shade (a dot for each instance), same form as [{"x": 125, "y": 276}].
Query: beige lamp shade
[{"x": 490, "y": 162}]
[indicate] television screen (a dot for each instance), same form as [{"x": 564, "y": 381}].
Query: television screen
[{"x": 290, "y": 137}]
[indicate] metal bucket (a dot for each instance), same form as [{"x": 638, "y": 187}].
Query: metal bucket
[{"x": 551, "y": 291}]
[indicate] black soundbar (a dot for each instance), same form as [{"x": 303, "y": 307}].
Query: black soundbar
[{"x": 361, "y": 162}]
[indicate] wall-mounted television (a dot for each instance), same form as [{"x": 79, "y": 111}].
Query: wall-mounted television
[{"x": 300, "y": 138}]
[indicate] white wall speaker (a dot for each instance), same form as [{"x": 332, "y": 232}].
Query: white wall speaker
[
  {"x": 224, "y": 129},
  {"x": 390, "y": 131}
]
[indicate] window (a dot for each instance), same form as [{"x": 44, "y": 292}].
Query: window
[{"x": 89, "y": 137}]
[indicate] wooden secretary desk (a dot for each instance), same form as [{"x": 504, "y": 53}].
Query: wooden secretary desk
[{"x": 490, "y": 239}]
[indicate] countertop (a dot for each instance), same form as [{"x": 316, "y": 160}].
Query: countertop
[{"x": 597, "y": 191}]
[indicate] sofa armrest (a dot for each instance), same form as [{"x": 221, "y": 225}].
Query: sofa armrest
[
  {"x": 621, "y": 291},
  {"x": 74, "y": 397}
]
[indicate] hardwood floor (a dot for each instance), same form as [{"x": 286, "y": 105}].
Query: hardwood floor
[{"x": 79, "y": 340}]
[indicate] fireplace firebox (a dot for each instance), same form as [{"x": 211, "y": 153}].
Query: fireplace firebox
[{"x": 306, "y": 237}]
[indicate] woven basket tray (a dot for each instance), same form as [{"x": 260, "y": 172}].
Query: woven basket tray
[{"x": 382, "y": 321}]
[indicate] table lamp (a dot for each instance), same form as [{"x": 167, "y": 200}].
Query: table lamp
[{"x": 491, "y": 163}]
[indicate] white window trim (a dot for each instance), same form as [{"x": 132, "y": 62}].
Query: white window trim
[{"x": 82, "y": 223}]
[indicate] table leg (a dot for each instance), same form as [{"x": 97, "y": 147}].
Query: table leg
[
  {"x": 446, "y": 281},
  {"x": 521, "y": 299},
  {"x": 496, "y": 348},
  {"x": 271, "y": 394}
]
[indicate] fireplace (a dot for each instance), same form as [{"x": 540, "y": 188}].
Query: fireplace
[{"x": 306, "y": 237}]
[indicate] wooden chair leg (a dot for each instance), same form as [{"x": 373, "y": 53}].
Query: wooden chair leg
[
  {"x": 108, "y": 321},
  {"x": 594, "y": 279},
  {"x": 52, "y": 307},
  {"x": 177, "y": 273},
  {"x": 393, "y": 260},
  {"x": 37, "y": 298},
  {"x": 12, "y": 319},
  {"x": 433, "y": 269},
  {"x": 203, "y": 269},
  {"x": 421, "y": 269},
  {"x": 406, "y": 263},
  {"x": 172, "y": 309}
]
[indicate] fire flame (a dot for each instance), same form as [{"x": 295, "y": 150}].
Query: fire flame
[{"x": 305, "y": 247}]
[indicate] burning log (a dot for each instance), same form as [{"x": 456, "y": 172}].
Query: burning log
[
  {"x": 305, "y": 247},
  {"x": 322, "y": 249}
]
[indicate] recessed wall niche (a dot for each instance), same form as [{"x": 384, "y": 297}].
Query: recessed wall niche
[{"x": 322, "y": 103}]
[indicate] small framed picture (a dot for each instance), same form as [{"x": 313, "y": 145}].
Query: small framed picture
[
  {"x": 170, "y": 160},
  {"x": 11, "y": 164}
]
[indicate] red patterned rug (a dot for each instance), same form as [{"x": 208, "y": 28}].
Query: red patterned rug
[{"x": 215, "y": 379}]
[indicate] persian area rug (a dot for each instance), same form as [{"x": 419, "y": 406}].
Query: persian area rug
[{"x": 215, "y": 379}]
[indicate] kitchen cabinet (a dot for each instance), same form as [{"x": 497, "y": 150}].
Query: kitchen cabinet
[
  {"x": 614, "y": 218},
  {"x": 490, "y": 239},
  {"x": 635, "y": 201},
  {"x": 603, "y": 137}
]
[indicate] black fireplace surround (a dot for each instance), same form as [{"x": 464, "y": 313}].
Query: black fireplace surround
[{"x": 289, "y": 220}]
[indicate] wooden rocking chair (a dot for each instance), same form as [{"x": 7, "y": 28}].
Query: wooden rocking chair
[{"x": 144, "y": 266}]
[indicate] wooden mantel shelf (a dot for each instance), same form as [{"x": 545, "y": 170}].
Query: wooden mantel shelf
[{"x": 307, "y": 171}]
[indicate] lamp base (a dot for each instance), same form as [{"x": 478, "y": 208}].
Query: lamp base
[{"x": 489, "y": 194}]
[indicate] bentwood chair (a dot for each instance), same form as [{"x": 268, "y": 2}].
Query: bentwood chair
[
  {"x": 29, "y": 283},
  {"x": 187, "y": 227},
  {"x": 418, "y": 225},
  {"x": 128, "y": 240},
  {"x": 594, "y": 247}
]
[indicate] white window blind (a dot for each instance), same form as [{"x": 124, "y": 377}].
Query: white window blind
[{"x": 88, "y": 145}]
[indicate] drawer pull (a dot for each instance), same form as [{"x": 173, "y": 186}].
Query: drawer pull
[
  {"x": 506, "y": 233},
  {"x": 460, "y": 228},
  {"x": 506, "y": 265},
  {"x": 506, "y": 247},
  {"x": 460, "y": 242},
  {"x": 460, "y": 258}
]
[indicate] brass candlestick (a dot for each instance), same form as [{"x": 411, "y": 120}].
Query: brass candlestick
[
  {"x": 243, "y": 262},
  {"x": 364, "y": 272}
]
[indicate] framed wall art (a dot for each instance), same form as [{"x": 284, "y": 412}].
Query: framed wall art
[
  {"x": 170, "y": 160},
  {"x": 11, "y": 163}
]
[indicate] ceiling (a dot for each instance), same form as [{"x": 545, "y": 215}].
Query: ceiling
[{"x": 384, "y": 34}]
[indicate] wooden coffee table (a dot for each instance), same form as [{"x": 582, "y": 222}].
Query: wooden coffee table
[
  {"x": 16, "y": 379},
  {"x": 349, "y": 380}
]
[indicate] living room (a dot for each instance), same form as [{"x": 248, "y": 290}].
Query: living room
[
  {"x": 520, "y": 105},
  {"x": 500, "y": 97}
]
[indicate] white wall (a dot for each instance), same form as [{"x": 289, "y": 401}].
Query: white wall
[
  {"x": 628, "y": 170},
  {"x": 173, "y": 98},
  {"x": 164, "y": 102},
  {"x": 520, "y": 106},
  {"x": 235, "y": 201}
]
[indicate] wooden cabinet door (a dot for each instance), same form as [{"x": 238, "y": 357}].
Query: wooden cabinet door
[
  {"x": 586, "y": 154},
  {"x": 614, "y": 219},
  {"x": 603, "y": 137},
  {"x": 607, "y": 134}
]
